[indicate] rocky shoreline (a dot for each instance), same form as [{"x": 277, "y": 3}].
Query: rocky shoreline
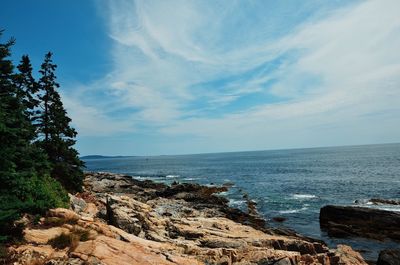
[
  {"x": 120, "y": 220},
  {"x": 350, "y": 221}
]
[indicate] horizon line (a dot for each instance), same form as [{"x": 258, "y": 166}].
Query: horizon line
[{"x": 243, "y": 151}]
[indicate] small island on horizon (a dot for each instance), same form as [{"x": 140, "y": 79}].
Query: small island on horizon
[{"x": 101, "y": 157}]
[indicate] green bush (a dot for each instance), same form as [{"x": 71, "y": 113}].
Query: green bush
[{"x": 33, "y": 195}]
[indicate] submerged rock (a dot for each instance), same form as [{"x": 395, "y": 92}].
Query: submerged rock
[
  {"x": 279, "y": 219},
  {"x": 389, "y": 257},
  {"x": 344, "y": 221}
]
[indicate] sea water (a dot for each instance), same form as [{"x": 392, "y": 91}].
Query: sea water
[{"x": 293, "y": 184}]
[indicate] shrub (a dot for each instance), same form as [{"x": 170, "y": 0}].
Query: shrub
[{"x": 33, "y": 195}]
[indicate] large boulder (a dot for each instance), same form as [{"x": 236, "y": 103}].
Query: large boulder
[
  {"x": 128, "y": 214},
  {"x": 346, "y": 255},
  {"x": 389, "y": 257},
  {"x": 344, "y": 221}
]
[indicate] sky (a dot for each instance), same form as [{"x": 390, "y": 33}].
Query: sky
[{"x": 183, "y": 77}]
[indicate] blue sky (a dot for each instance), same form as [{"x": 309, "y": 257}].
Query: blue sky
[{"x": 175, "y": 77}]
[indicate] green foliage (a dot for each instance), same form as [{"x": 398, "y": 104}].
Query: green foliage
[
  {"x": 32, "y": 195},
  {"x": 58, "y": 136},
  {"x": 27, "y": 163},
  {"x": 3, "y": 251}
]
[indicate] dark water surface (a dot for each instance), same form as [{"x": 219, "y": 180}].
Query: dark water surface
[{"x": 291, "y": 183}]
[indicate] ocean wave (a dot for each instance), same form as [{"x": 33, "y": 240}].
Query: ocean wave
[
  {"x": 190, "y": 179},
  {"x": 233, "y": 202},
  {"x": 388, "y": 208},
  {"x": 293, "y": 210},
  {"x": 391, "y": 208},
  {"x": 303, "y": 196},
  {"x": 172, "y": 176}
]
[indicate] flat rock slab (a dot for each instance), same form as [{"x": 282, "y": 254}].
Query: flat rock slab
[{"x": 345, "y": 221}]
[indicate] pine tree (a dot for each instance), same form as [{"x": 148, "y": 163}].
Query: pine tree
[
  {"x": 58, "y": 137},
  {"x": 27, "y": 87},
  {"x": 25, "y": 187}
]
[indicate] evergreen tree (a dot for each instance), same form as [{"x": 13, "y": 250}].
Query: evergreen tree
[
  {"x": 27, "y": 87},
  {"x": 58, "y": 137},
  {"x": 25, "y": 187}
]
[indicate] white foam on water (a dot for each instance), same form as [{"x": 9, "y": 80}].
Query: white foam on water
[
  {"x": 289, "y": 211},
  {"x": 172, "y": 176},
  {"x": 293, "y": 210},
  {"x": 391, "y": 208},
  {"x": 190, "y": 179},
  {"x": 233, "y": 202},
  {"x": 304, "y": 196}
]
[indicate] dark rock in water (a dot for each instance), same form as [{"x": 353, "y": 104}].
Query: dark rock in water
[
  {"x": 279, "y": 219},
  {"x": 389, "y": 257},
  {"x": 384, "y": 201},
  {"x": 346, "y": 221},
  {"x": 228, "y": 184}
]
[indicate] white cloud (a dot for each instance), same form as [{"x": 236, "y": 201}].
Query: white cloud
[
  {"x": 341, "y": 78},
  {"x": 90, "y": 121},
  {"x": 354, "y": 53}
]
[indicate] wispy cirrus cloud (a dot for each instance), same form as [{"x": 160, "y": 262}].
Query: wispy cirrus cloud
[{"x": 221, "y": 72}]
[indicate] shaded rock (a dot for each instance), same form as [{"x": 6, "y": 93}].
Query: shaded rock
[
  {"x": 285, "y": 261},
  {"x": 342, "y": 221},
  {"x": 389, "y": 257},
  {"x": 194, "y": 193},
  {"x": 379, "y": 201},
  {"x": 222, "y": 243},
  {"x": 279, "y": 219},
  {"x": 70, "y": 261}
]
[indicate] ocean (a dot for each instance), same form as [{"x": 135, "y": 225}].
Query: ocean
[{"x": 293, "y": 184}]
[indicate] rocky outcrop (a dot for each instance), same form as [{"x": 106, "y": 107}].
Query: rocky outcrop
[
  {"x": 346, "y": 255},
  {"x": 131, "y": 222},
  {"x": 116, "y": 252},
  {"x": 127, "y": 213},
  {"x": 379, "y": 201},
  {"x": 344, "y": 221},
  {"x": 389, "y": 257}
]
